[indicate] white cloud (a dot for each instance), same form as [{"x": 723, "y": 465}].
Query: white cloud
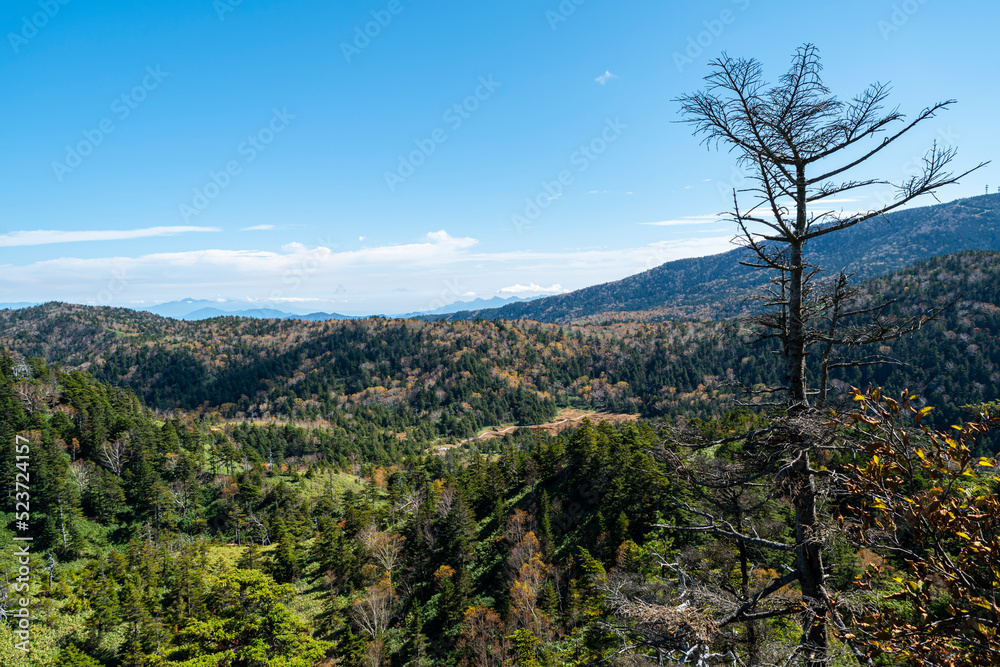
[
  {"x": 258, "y": 228},
  {"x": 667, "y": 251},
  {"x": 297, "y": 273},
  {"x": 48, "y": 236},
  {"x": 294, "y": 265},
  {"x": 439, "y": 246},
  {"x": 604, "y": 78},
  {"x": 286, "y": 299},
  {"x": 532, "y": 290},
  {"x": 690, "y": 220}
]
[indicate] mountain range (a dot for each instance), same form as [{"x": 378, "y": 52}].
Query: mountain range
[
  {"x": 204, "y": 309},
  {"x": 718, "y": 286}
]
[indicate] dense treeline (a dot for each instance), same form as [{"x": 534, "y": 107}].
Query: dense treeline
[
  {"x": 955, "y": 360},
  {"x": 181, "y": 542},
  {"x": 131, "y": 516},
  {"x": 391, "y": 387}
]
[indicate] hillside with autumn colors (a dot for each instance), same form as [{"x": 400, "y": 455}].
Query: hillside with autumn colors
[{"x": 406, "y": 381}]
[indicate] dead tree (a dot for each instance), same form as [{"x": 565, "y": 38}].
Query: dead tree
[
  {"x": 798, "y": 142},
  {"x": 114, "y": 455},
  {"x": 802, "y": 146}
]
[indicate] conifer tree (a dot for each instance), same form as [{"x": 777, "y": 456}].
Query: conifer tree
[
  {"x": 250, "y": 558},
  {"x": 135, "y": 614},
  {"x": 185, "y": 596},
  {"x": 286, "y": 566},
  {"x": 71, "y": 656},
  {"x": 326, "y": 547},
  {"x": 102, "y": 596},
  {"x": 418, "y": 645}
]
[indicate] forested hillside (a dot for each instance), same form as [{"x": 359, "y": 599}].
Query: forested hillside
[
  {"x": 783, "y": 455},
  {"x": 717, "y": 286},
  {"x": 179, "y": 542},
  {"x": 172, "y": 542},
  {"x": 396, "y": 385},
  {"x": 152, "y": 537}
]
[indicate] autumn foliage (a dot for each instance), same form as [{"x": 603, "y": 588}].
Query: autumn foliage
[{"x": 929, "y": 505}]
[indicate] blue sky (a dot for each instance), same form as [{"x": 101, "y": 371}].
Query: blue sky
[{"x": 269, "y": 151}]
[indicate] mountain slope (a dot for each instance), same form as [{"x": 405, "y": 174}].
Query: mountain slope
[
  {"x": 382, "y": 378},
  {"x": 718, "y": 286}
]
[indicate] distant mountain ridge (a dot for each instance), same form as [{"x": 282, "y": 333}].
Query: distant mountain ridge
[
  {"x": 203, "y": 309},
  {"x": 261, "y": 314},
  {"x": 718, "y": 286}
]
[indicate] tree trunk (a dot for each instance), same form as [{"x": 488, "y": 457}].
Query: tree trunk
[
  {"x": 809, "y": 555},
  {"x": 62, "y": 521},
  {"x": 795, "y": 342},
  {"x": 824, "y": 377},
  {"x": 808, "y": 546},
  {"x": 753, "y": 648}
]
